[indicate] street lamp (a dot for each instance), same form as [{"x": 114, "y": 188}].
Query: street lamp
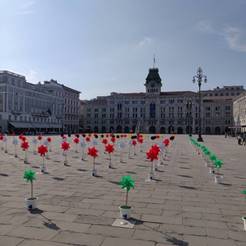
[{"x": 199, "y": 78}]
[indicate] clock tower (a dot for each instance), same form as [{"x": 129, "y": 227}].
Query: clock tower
[{"x": 153, "y": 82}]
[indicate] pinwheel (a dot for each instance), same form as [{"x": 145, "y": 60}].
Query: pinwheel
[
  {"x": 152, "y": 154},
  {"x": 34, "y": 141},
  {"x": 134, "y": 143},
  {"x": 83, "y": 146},
  {"x": 30, "y": 176},
  {"x": 140, "y": 141},
  {"x": 88, "y": 139},
  {"x": 217, "y": 177},
  {"x": 49, "y": 139},
  {"x": 126, "y": 183},
  {"x": 122, "y": 145},
  {"x": 1, "y": 139},
  {"x": 25, "y": 147},
  {"x": 104, "y": 141},
  {"x": 113, "y": 139},
  {"x": 15, "y": 143},
  {"x": 76, "y": 141},
  {"x": 166, "y": 142},
  {"x": 65, "y": 146},
  {"x": 42, "y": 150},
  {"x": 5, "y": 141},
  {"x": 109, "y": 148},
  {"x": 39, "y": 137},
  {"x": 93, "y": 152}
]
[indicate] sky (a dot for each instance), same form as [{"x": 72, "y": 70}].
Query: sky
[{"x": 104, "y": 46}]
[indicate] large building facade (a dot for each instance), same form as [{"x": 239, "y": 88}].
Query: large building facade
[
  {"x": 42, "y": 107},
  {"x": 239, "y": 113},
  {"x": 154, "y": 111}
]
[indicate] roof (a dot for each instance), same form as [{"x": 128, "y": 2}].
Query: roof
[{"x": 153, "y": 75}]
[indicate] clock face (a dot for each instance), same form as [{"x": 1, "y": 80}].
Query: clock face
[{"x": 152, "y": 85}]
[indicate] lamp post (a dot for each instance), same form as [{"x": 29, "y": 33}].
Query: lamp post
[{"x": 199, "y": 78}]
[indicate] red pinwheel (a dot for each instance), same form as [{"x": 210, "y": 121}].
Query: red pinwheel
[
  {"x": 106, "y": 135},
  {"x": 134, "y": 142},
  {"x": 65, "y": 146},
  {"x": 24, "y": 145},
  {"x": 49, "y": 139},
  {"x": 156, "y": 148},
  {"x": 93, "y": 152},
  {"x": 166, "y": 142},
  {"x": 109, "y": 148},
  {"x": 39, "y": 137},
  {"x": 113, "y": 139},
  {"x": 42, "y": 150},
  {"x": 23, "y": 139},
  {"x": 87, "y": 139},
  {"x": 1, "y": 137},
  {"x": 140, "y": 140},
  {"x": 152, "y": 154},
  {"x": 104, "y": 141},
  {"x": 76, "y": 140}
]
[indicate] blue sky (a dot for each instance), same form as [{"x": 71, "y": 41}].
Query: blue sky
[{"x": 100, "y": 46}]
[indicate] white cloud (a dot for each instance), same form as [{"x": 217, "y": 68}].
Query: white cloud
[
  {"x": 205, "y": 26},
  {"x": 31, "y": 76},
  {"x": 144, "y": 42},
  {"x": 26, "y": 7},
  {"x": 236, "y": 38},
  {"x": 233, "y": 36}
]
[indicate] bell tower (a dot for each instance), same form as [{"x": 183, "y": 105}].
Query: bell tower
[{"x": 153, "y": 81}]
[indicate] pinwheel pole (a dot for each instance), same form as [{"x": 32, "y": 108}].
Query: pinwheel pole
[
  {"x": 65, "y": 158},
  {"x": 43, "y": 169},
  {"x": 5, "y": 144},
  {"x": 94, "y": 167},
  {"x": 15, "y": 149},
  {"x": 25, "y": 157},
  {"x": 110, "y": 161},
  {"x": 34, "y": 147},
  {"x": 129, "y": 151}
]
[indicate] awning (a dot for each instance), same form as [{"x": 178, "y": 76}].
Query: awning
[{"x": 21, "y": 124}]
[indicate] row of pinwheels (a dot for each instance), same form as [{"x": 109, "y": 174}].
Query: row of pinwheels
[
  {"x": 154, "y": 153},
  {"x": 210, "y": 159}
]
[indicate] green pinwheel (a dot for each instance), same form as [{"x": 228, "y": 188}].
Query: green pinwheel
[
  {"x": 243, "y": 192},
  {"x": 127, "y": 183},
  {"x": 213, "y": 157},
  {"x": 30, "y": 176},
  {"x": 218, "y": 163}
]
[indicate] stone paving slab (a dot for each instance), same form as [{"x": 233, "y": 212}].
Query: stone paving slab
[{"x": 182, "y": 207}]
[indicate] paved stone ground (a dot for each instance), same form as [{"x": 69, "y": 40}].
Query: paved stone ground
[{"x": 183, "y": 207}]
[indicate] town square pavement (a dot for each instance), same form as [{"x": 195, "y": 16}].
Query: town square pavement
[{"x": 182, "y": 206}]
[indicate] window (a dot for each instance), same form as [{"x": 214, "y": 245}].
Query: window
[{"x": 152, "y": 110}]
